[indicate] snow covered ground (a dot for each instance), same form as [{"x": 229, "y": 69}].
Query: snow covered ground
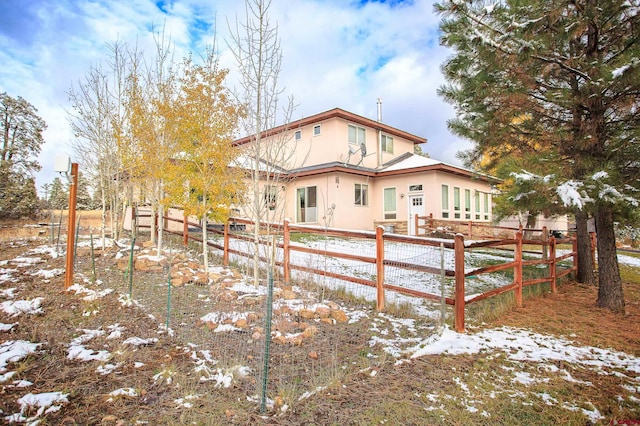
[{"x": 517, "y": 345}]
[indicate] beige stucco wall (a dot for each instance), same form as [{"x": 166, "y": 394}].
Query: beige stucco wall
[
  {"x": 332, "y": 144},
  {"x": 335, "y": 197}
]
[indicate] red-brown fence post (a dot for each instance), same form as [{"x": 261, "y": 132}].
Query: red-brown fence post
[
  {"x": 417, "y": 224},
  {"x": 285, "y": 251},
  {"x": 552, "y": 264},
  {"x": 545, "y": 243},
  {"x": 517, "y": 269},
  {"x": 225, "y": 251},
  {"x": 458, "y": 248},
  {"x": 470, "y": 230},
  {"x": 431, "y": 220},
  {"x": 380, "y": 268},
  {"x": 185, "y": 229}
]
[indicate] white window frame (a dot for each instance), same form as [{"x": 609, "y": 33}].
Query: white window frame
[
  {"x": 298, "y": 135},
  {"x": 386, "y": 143},
  {"x": 311, "y": 211},
  {"x": 389, "y": 214},
  {"x": 487, "y": 199},
  {"x": 316, "y": 130},
  {"x": 456, "y": 202},
  {"x": 358, "y": 131},
  {"x": 361, "y": 190},
  {"x": 467, "y": 204},
  {"x": 445, "y": 201}
]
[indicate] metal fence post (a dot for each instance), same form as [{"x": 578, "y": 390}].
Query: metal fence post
[
  {"x": 459, "y": 277},
  {"x": 380, "y": 268}
]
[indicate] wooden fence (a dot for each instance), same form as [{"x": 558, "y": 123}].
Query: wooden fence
[{"x": 548, "y": 256}]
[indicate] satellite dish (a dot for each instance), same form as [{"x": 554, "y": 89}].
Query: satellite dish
[
  {"x": 352, "y": 149},
  {"x": 363, "y": 149}
]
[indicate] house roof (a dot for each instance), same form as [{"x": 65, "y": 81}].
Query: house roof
[
  {"x": 336, "y": 113},
  {"x": 402, "y": 165},
  {"x": 413, "y": 163}
]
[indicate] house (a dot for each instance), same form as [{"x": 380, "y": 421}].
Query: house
[{"x": 351, "y": 172}]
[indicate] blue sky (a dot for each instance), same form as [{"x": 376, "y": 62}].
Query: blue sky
[{"x": 336, "y": 53}]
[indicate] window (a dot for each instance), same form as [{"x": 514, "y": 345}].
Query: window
[
  {"x": 467, "y": 204},
  {"x": 361, "y": 198},
  {"x": 390, "y": 203},
  {"x": 357, "y": 135},
  {"x": 415, "y": 188},
  {"x": 387, "y": 144},
  {"x": 306, "y": 207},
  {"x": 316, "y": 130},
  {"x": 477, "y": 209},
  {"x": 298, "y": 135},
  {"x": 456, "y": 202},
  {"x": 445, "y": 201},
  {"x": 486, "y": 206},
  {"x": 270, "y": 196}
]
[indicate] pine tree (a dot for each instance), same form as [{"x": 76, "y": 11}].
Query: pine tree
[
  {"x": 20, "y": 143},
  {"x": 58, "y": 195},
  {"x": 573, "y": 68},
  {"x": 83, "y": 200}
]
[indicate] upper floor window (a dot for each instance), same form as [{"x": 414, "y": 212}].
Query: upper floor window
[
  {"x": 357, "y": 135},
  {"x": 316, "y": 130},
  {"x": 361, "y": 198},
  {"x": 387, "y": 144},
  {"x": 298, "y": 135}
]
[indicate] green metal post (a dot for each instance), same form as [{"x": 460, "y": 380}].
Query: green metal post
[
  {"x": 267, "y": 344},
  {"x": 133, "y": 242},
  {"x": 93, "y": 258}
]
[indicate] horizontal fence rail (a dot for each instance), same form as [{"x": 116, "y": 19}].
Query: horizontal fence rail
[{"x": 546, "y": 248}]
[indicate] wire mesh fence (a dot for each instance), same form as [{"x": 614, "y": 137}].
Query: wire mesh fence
[
  {"x": 321, "y": 328},
  {"x": 281, "y": 338}
]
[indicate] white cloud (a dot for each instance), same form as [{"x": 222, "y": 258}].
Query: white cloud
[{"x": 335, "y": 54}]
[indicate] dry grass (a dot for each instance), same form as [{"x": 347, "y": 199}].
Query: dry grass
[{"x": 374, "y": 389}]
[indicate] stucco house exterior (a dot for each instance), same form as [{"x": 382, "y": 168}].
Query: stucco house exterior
[{"x": 351, "y": 172}]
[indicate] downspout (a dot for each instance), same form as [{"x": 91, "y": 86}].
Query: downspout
[{"x": 379, "y": 102}]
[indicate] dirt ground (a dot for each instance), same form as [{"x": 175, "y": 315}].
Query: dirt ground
[{"x": 351, "y": 398}]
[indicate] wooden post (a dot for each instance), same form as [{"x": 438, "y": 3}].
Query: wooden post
[
  {"x": 552, "y": 264},
  {"x": 416, "y": 224},
  {"x": 470, "y": 230},
  {"x": 380, "y": 268},
  {"x": 517, "y": 269},
  {"x": 286, "y": 241},
  {"x": 225, "y": 251},
  {"x": 545, "y": 242},
  {"x": 459, "y": 277},
  {"x": 73, "y": 196},
  {"x": 431, "y": 220},
  {"x": 185, "y": 229}
]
